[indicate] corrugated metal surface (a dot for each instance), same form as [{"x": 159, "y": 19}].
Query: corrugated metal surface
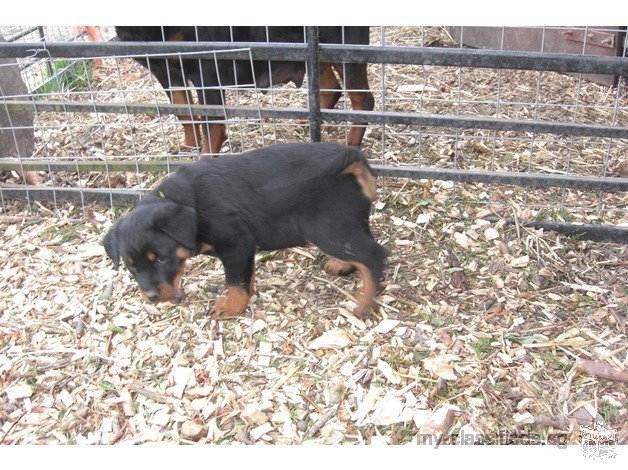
[{"x": 598, "y": 40}]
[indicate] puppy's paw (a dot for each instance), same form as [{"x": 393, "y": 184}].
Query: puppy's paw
[
  {"x": 231, "y": 305},
  {"x": 220, "y": 312},
  {"x": 336, "y": 267},
  {"x": 364, "y": 311}
]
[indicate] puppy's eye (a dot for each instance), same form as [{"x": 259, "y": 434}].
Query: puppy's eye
[{"x": 161, "y": 260}]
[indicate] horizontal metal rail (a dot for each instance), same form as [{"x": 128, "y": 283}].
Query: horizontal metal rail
[
  {"x": 389, "y": 117},
  {"x": 516, "y": 60},
  {"x": 538, "y": 180},
  {"x": 20, "y": 34},
  {"x": 596, "y": 233},
  {"x": 215, "y": 111},
  {"x": 590, "y": 183},
  {"x": 473, "y": 122},
  {"x": 128, "y": 198},
  {"x": 84, "y": 196}
]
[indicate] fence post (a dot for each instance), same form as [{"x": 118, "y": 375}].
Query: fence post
[{"x": 313, "y": 82}]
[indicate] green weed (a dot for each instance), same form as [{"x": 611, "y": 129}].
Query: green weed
[
  {"x": 66, "y": 75},
  {"x": 482, "y": 346}
]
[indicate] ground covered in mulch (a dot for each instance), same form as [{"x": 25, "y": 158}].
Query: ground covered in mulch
[
  {"x": 479, "y": 330},
  {"x": 487, "y": 332}
]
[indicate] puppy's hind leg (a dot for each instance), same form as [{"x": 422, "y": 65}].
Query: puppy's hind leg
[
  {"x": 360, "y": 251},
  {"x": 370, "y": 269},
  {"x": 336, "y": 267}
]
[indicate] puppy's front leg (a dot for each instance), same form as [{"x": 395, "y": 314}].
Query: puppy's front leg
[
  {"x": 239, "y": 273},
  {"x": 232, "y": 304}
]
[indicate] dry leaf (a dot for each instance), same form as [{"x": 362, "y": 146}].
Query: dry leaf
[
  {"x": 424, "y": 218},
  {"x": 259, "y": 431},
  {"x": 520, "y": 262},
  {"x": 491, "y": 234},
  {"x": 252, "y": 415},
  {"x": 182, "y": 377},
  {"x": 440, "y": 421},
  {"x": 462, "y": 239},
  {"x": 524, "y": 418},
  {"x": 389, "y": 410},
  {"x": 336, "y": 338},
  {"x": 386, "y": 325},
  {"x": 442, "y": 366},
  {"x": 193, "y": 431},
  {"x": 152, "y": 310},
  {"x": 366, "y": 405}
]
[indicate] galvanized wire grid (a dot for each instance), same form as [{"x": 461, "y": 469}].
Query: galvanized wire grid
[
  {"x": 510, "y": 95},
  {"x": 94, "y": 132}
]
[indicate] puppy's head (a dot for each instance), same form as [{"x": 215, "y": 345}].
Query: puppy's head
[{"x": 154, "y": 241}]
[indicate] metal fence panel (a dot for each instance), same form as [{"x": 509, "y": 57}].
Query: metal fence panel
[{"x": 496, "y": 119}]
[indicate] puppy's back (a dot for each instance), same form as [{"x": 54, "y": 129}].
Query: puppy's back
[
  {"x": 269, "y": 176},
  {"x": 298, "y": 165}
]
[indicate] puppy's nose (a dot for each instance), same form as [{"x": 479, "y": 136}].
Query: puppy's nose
[{"x": 152, "y": 296}]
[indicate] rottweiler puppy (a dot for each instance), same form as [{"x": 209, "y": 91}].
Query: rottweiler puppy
[{"x": 281, "y": 196}]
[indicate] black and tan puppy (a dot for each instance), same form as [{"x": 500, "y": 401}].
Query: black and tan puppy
[{"x": 276, "y": 197}]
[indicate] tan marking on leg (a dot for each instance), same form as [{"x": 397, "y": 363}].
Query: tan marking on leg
[
  {"x": 366, "y": 301},
  {"x": 364, "y": 178},
  {"x": 194, "y": 133},
  {"x": 336, "y": 267},
  {"x": 331, "y": 86},
  {"x": 231, "y": 305},
  {"x": 361, "y": 100},
  {"x": 356, "y": 133},
  {"x": 217, "y": 137},
  {"x": 192, "y": 136},
  {"x": 328, "y": 83},
  {"x": 94, "y": 34}
]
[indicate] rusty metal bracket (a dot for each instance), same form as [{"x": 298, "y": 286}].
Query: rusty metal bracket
[{"x": 590, "y": 37}]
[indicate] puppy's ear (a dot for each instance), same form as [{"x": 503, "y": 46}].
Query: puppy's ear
[
  {"x": 180, "y": 222},
  {"x": 112, "y": 244}
]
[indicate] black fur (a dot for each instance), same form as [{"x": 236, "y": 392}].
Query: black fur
[{"x": 276, "y": 197}]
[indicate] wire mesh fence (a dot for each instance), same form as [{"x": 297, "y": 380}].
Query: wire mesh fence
[{"x": 498, "y": 127}]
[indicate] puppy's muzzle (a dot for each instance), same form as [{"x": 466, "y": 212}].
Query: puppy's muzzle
[
  {"x": 151, "y": 295},
  {"x": 166, "y": 292}
]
